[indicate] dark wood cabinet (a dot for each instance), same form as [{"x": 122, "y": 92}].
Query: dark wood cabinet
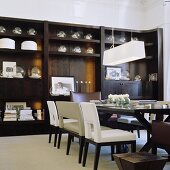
[
  {"x": 149, "y": 69},
  {"x": 22, "y": 89},
  {"x": 133, "y": 88}
]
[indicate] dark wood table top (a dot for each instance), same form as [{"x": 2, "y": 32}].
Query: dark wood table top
[{"x": 131, "y": 110}]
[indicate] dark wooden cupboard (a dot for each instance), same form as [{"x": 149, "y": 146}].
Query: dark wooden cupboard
[
  {"x": 23, "y": 89},
  {"x": 122, "y": 87}
]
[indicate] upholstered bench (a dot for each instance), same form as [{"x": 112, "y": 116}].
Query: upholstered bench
[{"x": 139, "y": 161}]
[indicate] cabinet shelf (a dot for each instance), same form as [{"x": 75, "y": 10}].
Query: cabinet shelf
[
  {"x": 12, "y": 35},
  {"x": 74, "y": 40},
  {"x": 119, "y": 43},
  {"x": 149, "y": 44},
  {"x": 115, "y": 43},
  {"x": 4, "y": 50},
  {"x": 74, "y": 54},
  {"x": 23, "y": 122},
  {"x": 11, "y": 99},
  {"x": 149, "y": 57},
  {"x": 19, "y": 79}
]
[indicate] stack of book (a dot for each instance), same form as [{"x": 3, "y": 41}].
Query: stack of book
[
  {"x": 10, "y": 115},
  {"x": 26, "y": 115}
]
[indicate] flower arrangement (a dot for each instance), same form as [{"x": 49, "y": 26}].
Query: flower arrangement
[{"x": 119, "y": 100}]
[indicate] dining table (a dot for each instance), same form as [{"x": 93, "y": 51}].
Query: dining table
[{"x": 138, "y": 110}]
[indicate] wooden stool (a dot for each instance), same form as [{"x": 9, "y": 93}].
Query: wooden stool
[{"x": 139, "y": 161}]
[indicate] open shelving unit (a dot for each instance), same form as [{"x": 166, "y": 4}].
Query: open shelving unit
[
  {"x": 83, "y": 66},
  {"x": 24, "y": 89}
]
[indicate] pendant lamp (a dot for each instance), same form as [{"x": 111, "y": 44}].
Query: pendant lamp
[{"x": 130, "y": 51}]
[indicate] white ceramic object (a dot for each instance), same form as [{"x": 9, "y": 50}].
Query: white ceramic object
[
  {"x": 17, "y": 30},
  {"x": 7, "y": 43},
  {"x": 29, "y": 45},
  {"x": 32, "y": 31}
]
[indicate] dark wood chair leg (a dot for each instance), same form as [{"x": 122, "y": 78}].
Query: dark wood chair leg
[
  {"x": 148, "y": 136},
  {"x": 133, "y": 147},
  {"x": 81, "y": 148},
  {"x": 59, "y": 139},
  {"x": 55, "y": 138},
  {"x": 138, "y": 132},
  {"x": 50, "y": 134},
  {"x": 118, "y": 148},
  {"x": 154, "y": 150},
  {"x": 86, "y": 146},
  {"x": 112, "y": 152},
  {"x": 68, "y": 144},
  {"x": 97, "y": 154}
]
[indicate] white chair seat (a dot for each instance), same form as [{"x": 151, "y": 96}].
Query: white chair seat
[
  {"x": 105, "y": 128},
  {"x": 126, "y": 119},
  {"x": 72, "y": 126},
  {"x": 116, "y": 135},
  {"x": 70, "y": 120},
  {"x": 136, "y": 122}
]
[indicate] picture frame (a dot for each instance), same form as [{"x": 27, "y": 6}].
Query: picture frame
[
  {"x": 15, "y": 105},
  {"x": 9, "y": 69},
  {"x": 113, "y": 73},
  {"x": 62, "y": 86}
]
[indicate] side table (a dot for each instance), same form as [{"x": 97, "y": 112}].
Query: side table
[{"x": 139, "y": 161}]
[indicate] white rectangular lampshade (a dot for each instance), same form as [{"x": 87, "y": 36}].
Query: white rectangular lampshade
[{"x": 130, "y": 51}]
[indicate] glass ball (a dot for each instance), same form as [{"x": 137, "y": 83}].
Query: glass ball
[
  {"x": 20, "y": 72},
  {"x": 125, "y": 75},
  {"x": 34, "y": 73}
]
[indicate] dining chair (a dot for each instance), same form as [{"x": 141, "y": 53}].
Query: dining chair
[
  {"x": 160, "y": 139},
  {"x": 84, "y": 97},
  {"x": 54, "y": 121},
  {"x": 71, "y": 110},
  {"x": 131, "y": 123},
  {"x": 98, "y": 137},
  {"x": 94, "y": 97}
]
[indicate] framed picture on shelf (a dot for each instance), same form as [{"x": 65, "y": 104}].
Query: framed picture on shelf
[
  {"x": 9, "y": 69},
  {"x": 113, "y": 73},
  {"x": 62, "y": 86},
  {"x": 15, "y": 105}
]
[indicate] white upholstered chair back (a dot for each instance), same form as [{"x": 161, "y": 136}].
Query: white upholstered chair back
[
  {"x": 70, "y": 110},
  {"x": 53, "y": 113},
  {"x": 91, "y": 121}
]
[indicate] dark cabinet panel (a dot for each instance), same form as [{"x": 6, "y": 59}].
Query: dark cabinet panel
[{"x": 133, "y": 88}]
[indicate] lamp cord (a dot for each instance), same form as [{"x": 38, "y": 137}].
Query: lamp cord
[{"x": 112, "y": 46}]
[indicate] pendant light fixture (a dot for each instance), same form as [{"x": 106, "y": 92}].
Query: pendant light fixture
[{"x": 127, "y": 52}]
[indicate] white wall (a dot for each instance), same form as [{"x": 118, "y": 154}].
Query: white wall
[
  {"x": 153, "y": 14},
  {"x": 90, "y": 12},
  {"x": 166, "y": 51}
]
